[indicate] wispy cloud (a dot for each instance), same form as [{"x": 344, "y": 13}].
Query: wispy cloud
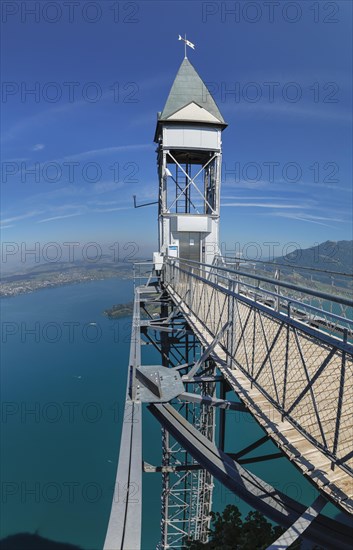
[
  {"x": 38, "y": 147},
  {"x": 83, "y": 209},
  {"x": 250, "y": 197},
  {"x": 114, "y": 209},
  {"x": 20, "y": 217},
  {"x": 283, "y": 185},
  {"x": 54, "y": 218},
  {"x": 261, "y": 205},
  {"x": 244, "y": 184},
  {"x": 109, "y": 150},
  {"x": 44, "y": 117},
  {"x": 309, "y": 218}
]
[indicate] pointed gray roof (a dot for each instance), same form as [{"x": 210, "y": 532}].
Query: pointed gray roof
[{"x": 188, "y": 88}]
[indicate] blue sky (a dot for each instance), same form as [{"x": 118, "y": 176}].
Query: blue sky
[{"x": 281, "y": 76}]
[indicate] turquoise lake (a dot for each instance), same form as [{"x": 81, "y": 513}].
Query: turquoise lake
[{"x": 63, "y": 379}]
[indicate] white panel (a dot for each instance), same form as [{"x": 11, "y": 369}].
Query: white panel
[
  {"x": 194, "y": 112},
  {"x": 157, "y": 261},
  {"x": 173, "y": 136},
  {"x": 192, "y": 137},
  {"x": 210, "y": 140},
  {"x": 173, "y": 251},
  {"x": 200, "y": 224}
]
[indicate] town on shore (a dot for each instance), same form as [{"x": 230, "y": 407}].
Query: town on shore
[{"x": 44, "y": 277}]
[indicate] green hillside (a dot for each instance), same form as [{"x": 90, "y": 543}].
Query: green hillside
[{"x": 330, "y": 256}]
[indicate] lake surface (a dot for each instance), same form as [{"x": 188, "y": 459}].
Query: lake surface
[{"x": 63, "y": 379}]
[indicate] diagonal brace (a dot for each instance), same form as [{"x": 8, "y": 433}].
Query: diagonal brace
[
  {"x": 313, "y": 380},
  {"x": 208, "y": 351},
  {"x": 249, "y": 448},
  {"x": 191, "y": 181},
  {"x": 299, "y": 526}
]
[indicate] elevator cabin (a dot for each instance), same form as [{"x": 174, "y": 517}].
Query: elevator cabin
[{"x": 189, "y": 159}]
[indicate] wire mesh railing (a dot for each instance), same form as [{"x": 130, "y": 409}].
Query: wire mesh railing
[
  {"x": 296, "y": 352},
  {"x": 321, "y": 281},
  {"x": 330, "y": 312}
]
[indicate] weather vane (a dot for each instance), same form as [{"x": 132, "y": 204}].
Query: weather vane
[{"x": 186, "y": 43}]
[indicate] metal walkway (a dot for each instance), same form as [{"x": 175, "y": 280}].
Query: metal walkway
[{"x": 286, "y": 352}]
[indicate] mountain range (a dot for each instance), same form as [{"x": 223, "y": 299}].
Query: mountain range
[{"x": 328, "y": 256}]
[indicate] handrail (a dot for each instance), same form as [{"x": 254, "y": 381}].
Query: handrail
[
  {"x": 317, "y": 294},
  {"x": 273, "y": 263},
  {"x": 291, "y": 300},
  {"x": 316, "y": 333}
]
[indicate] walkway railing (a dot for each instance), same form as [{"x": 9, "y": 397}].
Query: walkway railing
[
  {"x": 292, "y": 342},
  {"x": 325, "y": 291}
]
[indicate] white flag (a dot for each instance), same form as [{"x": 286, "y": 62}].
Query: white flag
[
  {"x": 190, "y": 44},
  {"x": 187, "y": 42}
]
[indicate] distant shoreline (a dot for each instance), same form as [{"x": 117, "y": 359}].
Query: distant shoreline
[{"x": 48, "y": 280}]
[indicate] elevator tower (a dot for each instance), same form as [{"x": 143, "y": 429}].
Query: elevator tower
[{"x": 188, "y": 135}]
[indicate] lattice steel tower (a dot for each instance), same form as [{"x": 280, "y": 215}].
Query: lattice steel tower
[{"x": 189, "y": 160}]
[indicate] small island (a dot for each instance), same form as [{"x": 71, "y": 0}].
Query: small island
[{"x": 119, "y": 310}]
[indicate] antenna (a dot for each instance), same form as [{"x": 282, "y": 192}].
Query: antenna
[{"x": 142, "y": 205}]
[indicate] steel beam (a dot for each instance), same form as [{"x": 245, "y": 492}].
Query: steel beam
[
  {"x": 124, "y": 528},
  {"x": 258, "y": 494},
  {"x": 212, "y": 401}
]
